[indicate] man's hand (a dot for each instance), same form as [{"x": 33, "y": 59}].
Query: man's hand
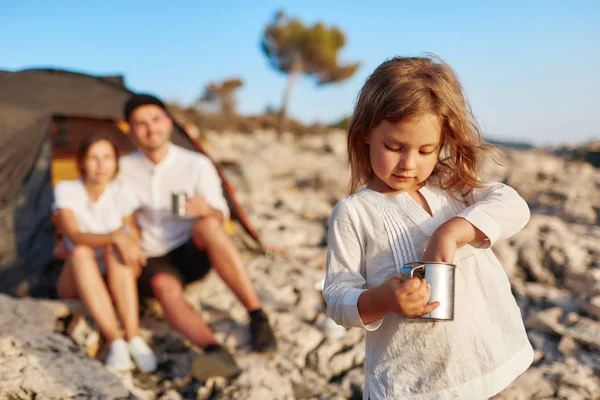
[{"x": 197, "y": 207}]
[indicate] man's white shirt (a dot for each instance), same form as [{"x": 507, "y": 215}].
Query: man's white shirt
[{"x": 180, "y": 171}]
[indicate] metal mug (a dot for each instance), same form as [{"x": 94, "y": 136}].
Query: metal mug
[
  {"x": 178, "y": 200},
  {"x": 440, "y": 277}
]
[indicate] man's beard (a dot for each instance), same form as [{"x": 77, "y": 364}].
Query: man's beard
[{"x": 153, "y": 147}]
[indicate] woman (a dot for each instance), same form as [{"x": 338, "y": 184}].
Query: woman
[{"x": 97, "y": 216}]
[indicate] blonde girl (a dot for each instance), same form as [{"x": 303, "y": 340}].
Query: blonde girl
[{"x": 415, "y": 152}]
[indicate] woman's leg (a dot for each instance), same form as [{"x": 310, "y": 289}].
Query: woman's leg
[
  {"x": 66, "y": 287},
  {"x": 91, "y": 288},
  {"x": 122, "y": 283}
]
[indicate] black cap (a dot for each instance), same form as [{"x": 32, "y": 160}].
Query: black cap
[{"x": 141, "y": 99}]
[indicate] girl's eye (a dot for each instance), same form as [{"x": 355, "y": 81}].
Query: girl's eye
[
  {"x": 391, "y": 148},
  {"x": 426, "y": 152}
]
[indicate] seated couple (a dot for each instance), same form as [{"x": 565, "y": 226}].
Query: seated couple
[{"x": 110, "y": 261}]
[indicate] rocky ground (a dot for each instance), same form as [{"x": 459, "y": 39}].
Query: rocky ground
[{"x": 288, "y": 188}]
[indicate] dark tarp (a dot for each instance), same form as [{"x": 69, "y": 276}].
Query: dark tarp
[{"x": 29, "y": 100}]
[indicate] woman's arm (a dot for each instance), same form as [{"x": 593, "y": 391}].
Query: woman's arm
[
  {"x": 69, "y": 223},
  {"x": 133, "y": 254},
  {"x": 130, "y": 223}
]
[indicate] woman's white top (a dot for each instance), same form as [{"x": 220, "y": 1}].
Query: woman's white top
[
  {"x": 485, "y": 347},
  {"x": 102, "y": 216}
]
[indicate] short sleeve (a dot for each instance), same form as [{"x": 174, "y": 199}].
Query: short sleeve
[
  {"x": 210, "y": 186},
  {"x": 66, "y": 196}
]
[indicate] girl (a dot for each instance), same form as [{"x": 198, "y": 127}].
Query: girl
[
  {"x": 415, "y": 145},
  {"x": 95, "y": 213}
]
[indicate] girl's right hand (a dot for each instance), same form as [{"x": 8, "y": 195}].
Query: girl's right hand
[{"x": 410, "y": 298}]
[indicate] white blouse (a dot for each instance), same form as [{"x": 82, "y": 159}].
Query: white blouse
[
  {"x": 485, "y": 347},
  {"x": 102, "y": 216}
]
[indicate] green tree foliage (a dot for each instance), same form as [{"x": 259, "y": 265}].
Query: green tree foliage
[
  {"x": 296, "y": 49},
  {"x": 222, "y": 94}
]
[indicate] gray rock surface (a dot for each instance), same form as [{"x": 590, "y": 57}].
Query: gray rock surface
[{"x": 37, "y": 361}]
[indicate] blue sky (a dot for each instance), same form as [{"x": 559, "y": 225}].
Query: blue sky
[{"x": 530, "y": 68}]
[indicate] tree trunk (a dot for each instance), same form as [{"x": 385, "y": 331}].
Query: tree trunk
[{"x": 284, "y": 104}]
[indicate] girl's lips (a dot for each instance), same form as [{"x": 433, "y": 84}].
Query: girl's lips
[{"x": 402, "y": 178}]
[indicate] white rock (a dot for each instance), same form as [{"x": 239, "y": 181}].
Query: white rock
[
  {"x": 586, "y": 331},
  {"x": 546, "y": 321},
  {"x": 593, "y": 307},
  {"x": 46, "y": 362},
  {"x": 568, "y": 346},
  {"x": 297, "y": 339},
  {"x": 532, "y": 384}
]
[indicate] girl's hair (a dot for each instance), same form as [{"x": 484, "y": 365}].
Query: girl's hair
[
  {"x": 87, "y": 142},
  {"x": 411, "y": 87}
]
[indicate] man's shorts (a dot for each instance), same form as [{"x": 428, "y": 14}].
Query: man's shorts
[{"x": 186, "y": 262}]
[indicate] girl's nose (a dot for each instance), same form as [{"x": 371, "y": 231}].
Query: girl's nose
[{"x": 408, "y": 162}]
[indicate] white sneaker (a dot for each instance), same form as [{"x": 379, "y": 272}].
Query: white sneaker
[
  {"x": 118, "y": 356},
  {"x": 142, "y": 354}
]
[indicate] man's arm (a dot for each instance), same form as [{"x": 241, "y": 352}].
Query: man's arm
[
  {"x": 133, "y": 228},
  {"x": 198, "y": 207}
]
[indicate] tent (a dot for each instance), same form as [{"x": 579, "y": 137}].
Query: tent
[{"x": 43, "y": 115}]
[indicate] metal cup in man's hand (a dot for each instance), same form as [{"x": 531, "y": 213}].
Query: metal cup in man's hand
[{"x": 178, "y": 203}]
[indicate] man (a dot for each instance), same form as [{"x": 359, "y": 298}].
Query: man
[{"x": 183, "y": 249}]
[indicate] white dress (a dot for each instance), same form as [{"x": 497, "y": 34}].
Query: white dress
[{"x": 484, "y": 348}]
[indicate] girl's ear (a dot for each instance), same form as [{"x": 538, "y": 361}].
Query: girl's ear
[{"x": 366, "y": 138}]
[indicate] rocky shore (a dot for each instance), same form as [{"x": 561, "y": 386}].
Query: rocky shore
[{"x": 50, "y": 350}]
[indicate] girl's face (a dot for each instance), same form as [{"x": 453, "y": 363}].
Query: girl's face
[
  {"x": 404, "y": 153},
  {"x": 100, "y": 163}
]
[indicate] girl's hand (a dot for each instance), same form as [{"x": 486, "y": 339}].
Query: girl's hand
[
  {"x": 441, "y": 247},
  {"x": 444, "y": 241},
  {"x": 410, "y": 298}
]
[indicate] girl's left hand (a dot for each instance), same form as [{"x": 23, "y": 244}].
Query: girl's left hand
[
  {"x": 444, "y": 241},
  {"x": 441, "y": 248}
]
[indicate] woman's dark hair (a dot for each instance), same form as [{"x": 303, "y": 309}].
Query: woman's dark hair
[{"x": 87, "y": 142}]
